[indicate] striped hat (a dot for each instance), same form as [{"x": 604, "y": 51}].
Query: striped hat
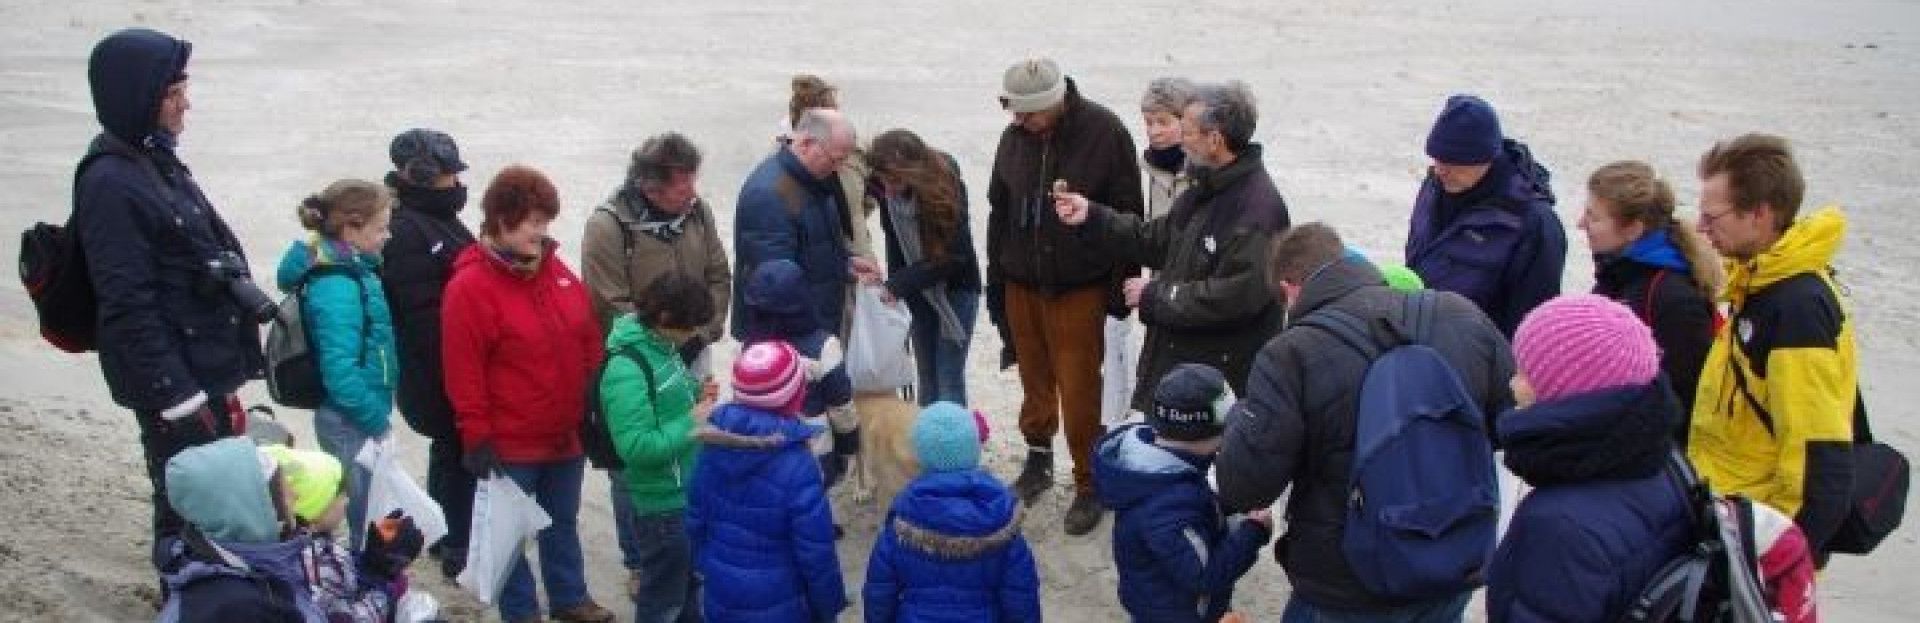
[{"x": 767, "y": 376}]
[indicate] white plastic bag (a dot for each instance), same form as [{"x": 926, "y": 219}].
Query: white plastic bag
[
  {"x": 1116, "y": 373},
  {"x": 878, "y": 343},
  {"x": 390, "y": 488},
  {"x": 417, "y": 607},
  {"x": 503, "y": 518}
]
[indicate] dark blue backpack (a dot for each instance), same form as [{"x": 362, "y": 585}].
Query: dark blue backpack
[{"x": 1422, "y": 502}]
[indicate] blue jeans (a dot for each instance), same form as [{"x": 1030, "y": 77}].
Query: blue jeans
[
  {"x": 1443, "y": 610},
  {"x": 624, "y": 517},
  {"x": 669, "y": 591},
  {"x": 340, "y": 438},
  {"x": 942, "y": 363},
  {"x": 556, "y": 487}
]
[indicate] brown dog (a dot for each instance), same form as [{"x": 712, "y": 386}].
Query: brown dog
[{"x": 887, "y": 459}]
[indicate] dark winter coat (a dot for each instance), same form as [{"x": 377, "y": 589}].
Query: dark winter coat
[
  {"x": 950, "y": 549},
  {"x": 761, "y": 526},
  {"x": 1209, "y": 301},
  {"x": 785, "y": 213},
  {"x": 1652, "y": 278},
  {"x": 791, "y": 325},
  {"x": 1603, "y": 515},
  {"x": 1026, "y": 242},
  {"x": 1295, "y": 426},
  {"x": 1499, "y": 244},
  {"x": 1178, "y": 556},
  {"x": 416, "y": 265},
  {"x": 167, "y": 326}
]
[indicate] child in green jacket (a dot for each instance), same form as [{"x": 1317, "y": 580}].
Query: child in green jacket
[{"x": 653, "y": 405}]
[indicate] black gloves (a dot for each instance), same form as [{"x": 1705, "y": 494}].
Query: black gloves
[
  {"x": 480, "y": 460},
  {"x": 392, "y": 544},
  {"x": 997, "y": 314}
]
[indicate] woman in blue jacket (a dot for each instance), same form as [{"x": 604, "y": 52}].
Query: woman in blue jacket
[
  {"x": 950, "y": 548},
  {"x": 1592, "y": 439},
  {"x": 757, "y": 511},
  {"x": 347, "y": 323}
]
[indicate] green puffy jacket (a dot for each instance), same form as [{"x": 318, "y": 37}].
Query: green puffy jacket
[{"x": 652, "y": 427}]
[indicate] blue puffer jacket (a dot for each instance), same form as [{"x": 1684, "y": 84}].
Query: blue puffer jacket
[
  {"x": 1178, "y": 558},
  {"x": 346, "y": 316},
  {"x": 759, "y": 519},
  {"x": 1603, "y": 516},
  {"x": 786, "y": 213},
  {"x": 1499, "y": 244},
  {"x": 951, "y": 551}
]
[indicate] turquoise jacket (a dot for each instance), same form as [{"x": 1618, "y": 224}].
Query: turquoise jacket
[{"x": 347, "y": 321}]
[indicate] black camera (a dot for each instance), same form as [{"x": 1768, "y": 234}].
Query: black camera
[{"x": 228, "y": 273}]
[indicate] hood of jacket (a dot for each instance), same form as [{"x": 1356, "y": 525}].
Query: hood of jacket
[
  {"x": 1808, "y": 246},
  {"x": 1129, "y": 469},
  {"x": 1656, "y": 249},
  {"x": 637, "y": 334},
  {"x": 1335, "y": 280},
  {"x": 1606, "y": 435},
  {"x": 305, "y": 256},
  {"x": 741, "y": 421},
  {"x": 129, "y": 73},
  {"x": 956, "y": 515},
  {"x": 221, "y": 488}
]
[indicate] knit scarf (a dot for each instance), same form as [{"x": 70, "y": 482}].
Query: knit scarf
[{"x": 905, "y": 213}]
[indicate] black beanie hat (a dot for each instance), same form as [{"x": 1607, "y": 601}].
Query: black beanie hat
[{"x": 1191, "y": 403}]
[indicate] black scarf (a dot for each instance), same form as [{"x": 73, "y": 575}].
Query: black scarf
[
  {"x": 439, "y": 202},
  {"x": 1169, "y": 158}
]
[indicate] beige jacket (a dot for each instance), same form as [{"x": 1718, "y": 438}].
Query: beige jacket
[{"x": 616, "y": 277}]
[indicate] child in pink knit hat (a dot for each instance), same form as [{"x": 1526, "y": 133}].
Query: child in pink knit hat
[{"x": 1593, "y": 437}]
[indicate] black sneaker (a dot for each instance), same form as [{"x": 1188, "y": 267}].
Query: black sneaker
[
  {"x": 1084, "y": 514},
  {"x": 1036, "y": 477}
]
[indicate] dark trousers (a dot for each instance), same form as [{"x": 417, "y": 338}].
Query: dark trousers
[
  {"x": 160, "y": 440},
  {"x": 450, "y": 484}
]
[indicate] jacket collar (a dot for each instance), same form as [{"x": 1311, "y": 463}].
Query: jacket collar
[
  {"x": 1808, "y": 246},
  {"x": 1605, "y": 435},
  {"x": 1333, "y": 282}
]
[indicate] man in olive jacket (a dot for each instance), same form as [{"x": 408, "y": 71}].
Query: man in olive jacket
[
  {"x": 1207, "y": 301},
  {"x": 1047, "y": 287}
]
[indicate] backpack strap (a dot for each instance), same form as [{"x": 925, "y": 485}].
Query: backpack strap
[
  {"x": 1418, "y": 316},
  {"x": 366, "y": 314},
  {"x": 1646, "y": 302},
  {"x": 1347, "y": 328}
]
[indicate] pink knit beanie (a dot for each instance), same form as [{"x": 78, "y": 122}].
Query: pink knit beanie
[
  {"x": 767, "y": 376},
  {"x": 1584, "y": 343}
]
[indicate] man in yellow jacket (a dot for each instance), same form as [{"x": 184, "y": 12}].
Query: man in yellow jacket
[{"x": 1773, "y": 419}]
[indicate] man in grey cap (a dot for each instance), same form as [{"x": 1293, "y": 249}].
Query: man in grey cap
[{"x": 1047, "y": 285}]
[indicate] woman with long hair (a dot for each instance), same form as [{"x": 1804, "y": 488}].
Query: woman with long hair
[
  {"x": 930, "y": 258},
  {"x": 1656, "y": 265}
]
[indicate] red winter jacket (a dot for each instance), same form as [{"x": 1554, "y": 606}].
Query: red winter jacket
[{"x": 518, "y": 351}]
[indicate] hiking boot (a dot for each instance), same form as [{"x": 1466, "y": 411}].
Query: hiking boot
[
  {"x": 1036, "y": 477},
  {"x": 587, "y": 612},
  {"x": 1084, "y": 514}
]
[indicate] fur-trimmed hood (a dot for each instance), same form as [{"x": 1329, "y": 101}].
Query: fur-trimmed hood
[{"x": 956, "y": 515}]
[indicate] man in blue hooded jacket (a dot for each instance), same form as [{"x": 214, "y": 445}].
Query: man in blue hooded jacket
[
  {"x": 177, "y": 308},
  {"x": 1483, "y": 225}
]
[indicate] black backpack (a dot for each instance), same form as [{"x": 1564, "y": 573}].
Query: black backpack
[
  {"x": 53, "y": 265},
  {"x": 596, "y": 440},
  {"x": 293, "y": 368}
]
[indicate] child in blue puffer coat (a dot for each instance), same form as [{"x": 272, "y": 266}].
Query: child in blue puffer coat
[
  {"x": 1178, "y": 557},
  {"x": 347, "y": 323},
  {"x": 950, "y": 548},
  {"x": 778, "y": 305},
  {"x": 757, "y": 510}
]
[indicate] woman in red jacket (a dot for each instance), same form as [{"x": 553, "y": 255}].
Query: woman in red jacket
[{"x": 520, "y": 341}]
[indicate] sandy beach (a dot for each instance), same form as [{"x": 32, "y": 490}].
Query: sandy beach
[{"x": 289, "y": 95}]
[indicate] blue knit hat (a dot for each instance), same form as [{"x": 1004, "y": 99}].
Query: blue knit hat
[
  {"x": 946, "y": 438},
  {"x": 1467, "y": 132}
]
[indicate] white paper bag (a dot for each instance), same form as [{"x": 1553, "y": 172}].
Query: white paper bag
[
  {"x": 504, "y": 517},
  {"x": 391, "y": 487},
  {"x": 1117, "y": 373},
  {"x": 879, "y": 342}
]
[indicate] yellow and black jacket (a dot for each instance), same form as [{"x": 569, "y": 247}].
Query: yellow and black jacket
[{"x": 1773, "y": 419}]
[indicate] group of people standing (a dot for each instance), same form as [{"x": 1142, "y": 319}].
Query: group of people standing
[{"x": 492, "y": 347}]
